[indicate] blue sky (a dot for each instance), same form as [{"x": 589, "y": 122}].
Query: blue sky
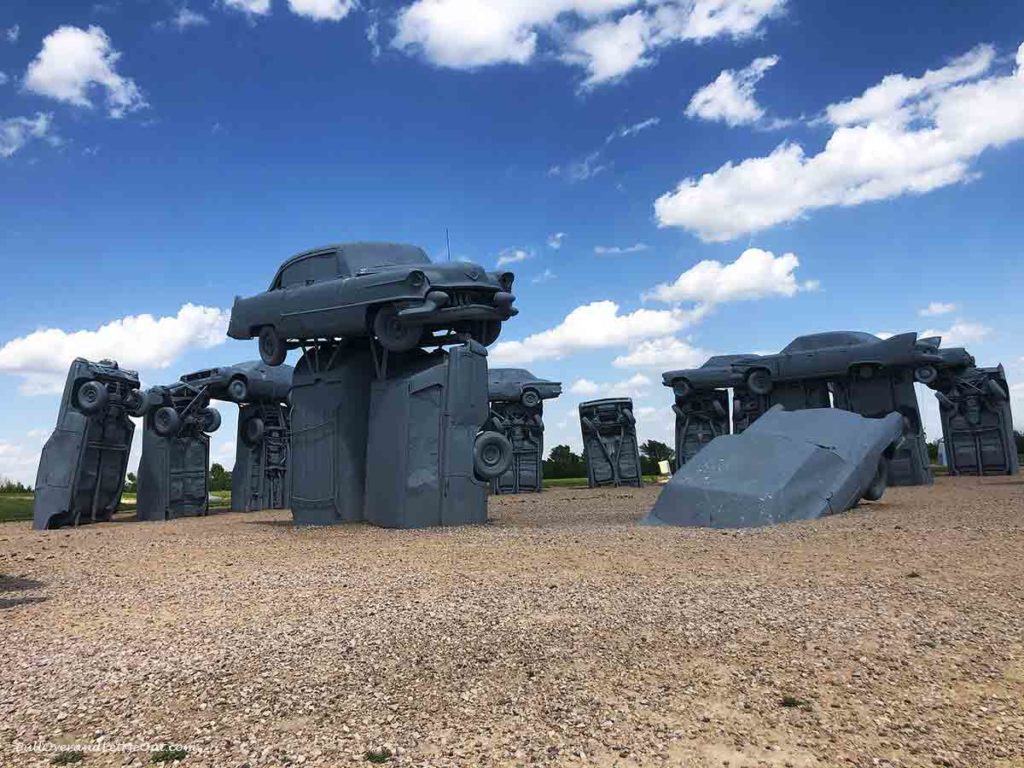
[{"x": 846, "y": 166}]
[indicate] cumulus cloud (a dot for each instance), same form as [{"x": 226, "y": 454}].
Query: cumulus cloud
[
  {"x": 635, "y": 386},
  {"x": 512, "y": 256},
  {"x": 19, "y": 456},
  {"x": 12, "y": 34},
  {"x": 960, "y": 333},
  {"x": 16, "y": 132},
  {"x": 664, "y": 353},
  {"x": 42, "y": 357},
  {"x": 584, "y": 387},
  {"x": 756, "y": 274},
  {"x": 75, "y": 62},
  {"x": 4, "y": 78},
  {"x": 902, "y": 136},
  {"x": 249, "y": 7},
  {"x": 936, "y": 308},
  {"x": 598, "y": 325},
  {"x": 730, "y": 98},
  {"x": 555, "y": 240},
  {"x": 322, "y": 10},
  {"x": 185, "y": 18},
  {"x": 606, "y": 38},
  {"x": 617, "y": 250}
]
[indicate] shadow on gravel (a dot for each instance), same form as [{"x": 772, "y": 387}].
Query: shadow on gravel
[{"x": 18, "y": 584}]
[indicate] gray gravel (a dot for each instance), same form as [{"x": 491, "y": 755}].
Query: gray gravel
[{"x": 562, "y": 633}]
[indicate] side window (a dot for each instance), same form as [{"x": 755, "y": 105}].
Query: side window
[
  {"x": 323, "y": 266},
  {"x": 294, "y": 274}
]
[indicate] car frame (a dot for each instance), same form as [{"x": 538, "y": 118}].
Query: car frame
[
  {"x": 716, "y": 372},
  {"x": 518, "y": 385},
  {"x": 387, "y": 291},
  {"x": 246, "y": 382}
]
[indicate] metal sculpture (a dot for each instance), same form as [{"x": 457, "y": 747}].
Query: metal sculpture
[
  {"x": 789, "y": 465},
  {"x": 610, "y": 447},
  {"x": 387, "y": 291},
  {"x": 517, "y": 411},
  {"x": 82, "y": 467},
  {"x": 977, "y": 423}
]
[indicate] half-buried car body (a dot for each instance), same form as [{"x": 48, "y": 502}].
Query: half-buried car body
[
  {"x": 387, "y": 291},
  {"x": 789, "y": 465}
]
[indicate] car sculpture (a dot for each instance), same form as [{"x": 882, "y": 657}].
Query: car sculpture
[
  {"x": 840, "y": 353},
  {"x": 517, "y": 385},
  {"x": 386, "y": 291},
  {"x": 720, "y": 371},
  {"x": 251, "y": 381}
]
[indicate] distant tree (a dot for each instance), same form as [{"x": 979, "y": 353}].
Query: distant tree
[
  {"x": 933, "y": 451},
  {"x": 652, "y": 452},
  {"x": 562, "y": 462},
  {"x": 220, "y": 478},
  {"x": 131, "y": 483},
  {"x": 13, "y": 486},
  {"x": 1018, "y": 437}
]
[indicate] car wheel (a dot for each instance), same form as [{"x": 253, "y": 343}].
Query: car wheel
[
  {"x": 530, "y": 398},
  {"x": 238, "y": 389},
  {"x": 272, "y": 347},
  {"x": 392, "y": 334},
  {"x": 759, "y": 381},
  {"x": 492, "y": 455},
  {"x": 996, "y": 390},
  {"x": 135, "y": 403},
  {"x": 628, "y": 417},
  {"x": 253, "y": 433},
  {"x": 211, "y": 419},
  {"x": 91, "y": 397},
  {"x": 166, "y": 421},
  {"x": 926, "y": 374},
  {"x": 879, "y": 482}
]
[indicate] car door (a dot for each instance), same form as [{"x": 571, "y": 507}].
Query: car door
[{"x": 324, "y": 309}]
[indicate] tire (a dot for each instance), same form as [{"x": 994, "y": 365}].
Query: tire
[
  {"x": 166, "y": 421},
  {"x": 272, "y": 347},
  {"x": 253, "y": 433},
  {"x": 925, "y": 374},
  {"x": 530, "y": 398},
  {"x": 759, "y": 381},
  {"x": 628, "y": 417},
  {"x": 91, "y": 397},
  {"x": 879, "y": 482},
  {"x": 492, "y": 455},
  {"x": 996, "y": 390},
  {"x": 238, "y": 389},
  {"x": 390, "y": 332},
  {"x": 211, "y": 419}
]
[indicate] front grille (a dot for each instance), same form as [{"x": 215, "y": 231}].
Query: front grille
[{"x": 465, "y": 298}]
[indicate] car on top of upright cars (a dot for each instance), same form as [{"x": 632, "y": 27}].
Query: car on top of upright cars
[
  {"x": 517, "y": 385},
  {"x": 387, "y": 291}
]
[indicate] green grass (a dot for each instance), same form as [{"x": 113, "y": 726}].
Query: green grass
[
  {"x": 68, "y": 757},
  {"x": 381, "y": 755},
  {"x": 15, "y": 507},
  {"x": 168, "y": 754},
  {"x": 581, "y": 482}
]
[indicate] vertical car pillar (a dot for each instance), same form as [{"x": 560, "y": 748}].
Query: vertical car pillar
[
  {"x": 610, "y": 447},
  {"x": 977, "y": 423},
  {"x": 260, "y": 479},
  {"x": 524, "y": 429}
]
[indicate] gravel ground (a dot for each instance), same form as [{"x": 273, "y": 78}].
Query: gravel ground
[{"x": 562, "y": 633}]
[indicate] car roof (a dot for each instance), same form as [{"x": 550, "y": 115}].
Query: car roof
[
  {"x": 359, "y": 248},
  {"x": 509, "y": 374},
  {"x": 829, "y": 339}
]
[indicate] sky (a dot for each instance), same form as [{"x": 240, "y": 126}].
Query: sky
[{"x": 668, "y": 179}]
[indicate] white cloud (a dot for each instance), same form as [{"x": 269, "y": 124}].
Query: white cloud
[
  {"x": 185, "y": 18},
  {"x": 512, "y": 256},
  {"x": 19, "y": 457},
  {"x": 75, "y": 61},
  {"x": 555, "y": 240},
  {"x": 322, "y": 10},
  {"x": 664, "y": 353},
  {"x": 584, "y": 388},
  {"x": 4, "y": 78},
  {"x": 730, "y": 98},
  {"x": 607, "y": 38},
  {"x": 12, "y": 34},
  {"x": 587, "y": 168},
  {"x": 937, "y": 308},
  {"x": 42, "y": 357},
  {"x": 16, "y": 132},
  {"x": 597, "y": 325},
  {"x": 904, "y": 136},
  {"x": 545, "y": 277},
  {"x": 960, "y": 333},
  {"x": 756, "y": 274},
  {"x": 250, "y": 7},
  {"x": 635, "y": 386},
  {"x": 616, "y": 250},
  {"x": 626, "y": 131}
]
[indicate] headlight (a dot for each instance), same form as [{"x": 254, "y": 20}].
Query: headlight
[
  {"x": 505, "y": 280},
  {"x": 417, "y": 279}
]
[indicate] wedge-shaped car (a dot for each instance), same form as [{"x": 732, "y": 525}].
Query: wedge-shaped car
[
  {"x": 840, "y": 353},
  {"x": 387, "y": 291},
  {"x": 247, "y": 382},
  {"x": 789, "y": 465},
  {"x": 517, "y": 385}
]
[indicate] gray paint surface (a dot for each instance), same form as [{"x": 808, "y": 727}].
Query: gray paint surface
[
  {"x": 517, "y": 411},
  {"x": 700, "y": 418},
  {"x": 330, "y": 399},
  {"x": 82, "y": 466},
  {"x": 787, "y": 466},
  {"x": 425, "y": 430},
  {"x": 977, "y": 423},
  {"x": 610, "y": 447}
]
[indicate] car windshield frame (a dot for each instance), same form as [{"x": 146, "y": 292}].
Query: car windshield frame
[{"x": 363, "y": 260}]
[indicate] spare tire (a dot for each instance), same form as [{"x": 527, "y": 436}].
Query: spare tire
[
  {"x": 879, "y": 482},
  {"x": 91, "y": 397},
  {"x": 759, "y": 381},
  {"x": 492, "y": 455},
  {"x": 253, "y": 433},
  {"x": 166, "y": 421}
]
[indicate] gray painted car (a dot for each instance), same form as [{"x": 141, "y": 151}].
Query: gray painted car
[
  {"x": 719, "y": 371},
  {"x": 248, "y": 382},
  {"x": 517, "y": 385},
  {"x": 387, "y": 291}
]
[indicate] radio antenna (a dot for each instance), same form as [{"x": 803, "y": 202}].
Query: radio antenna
[{"x": 448, "y": 241}]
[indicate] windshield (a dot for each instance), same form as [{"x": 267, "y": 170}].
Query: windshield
[{"x": 373, "y": 256}]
